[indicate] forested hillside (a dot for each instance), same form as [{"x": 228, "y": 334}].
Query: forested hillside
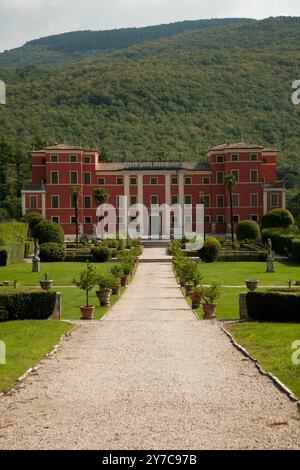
[
  {"x": 77, "y": 44},
  {"x": 168, "y": 99}
]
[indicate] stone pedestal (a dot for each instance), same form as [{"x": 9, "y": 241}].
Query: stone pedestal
[
  {"x": 270, "y": 265},
  {"x": 57, "y": 309},
  {"x": 36, "y": 265}
]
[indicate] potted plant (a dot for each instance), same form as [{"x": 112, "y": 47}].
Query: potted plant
[
  {"x": 117, "y": 272},
  {"x": 87, "y": 281},
  {"x": 106, "y": 284},
  {"x": 46, "y": 284},
  {"x": 126, "y": 271},
  {"x": 210, "y": 295},
  {"x": 196, "y": 296},
  {"x": 252, "y": 284},
  {"x": 187, "y": 275}
]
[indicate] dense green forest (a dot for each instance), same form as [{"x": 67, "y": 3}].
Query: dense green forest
[
  {"x": 77, "y": 44},
  {"x": 168, "y": 99}
]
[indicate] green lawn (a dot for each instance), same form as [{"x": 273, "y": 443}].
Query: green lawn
[
  {"x": 61, "y": 273},
  {"x": 235, "y": 273},
  {"x": 26, "y": 343},
  {"x": 270, "y": 344}
]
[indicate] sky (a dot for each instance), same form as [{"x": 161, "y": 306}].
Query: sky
[{"x": 23, "y": 20}]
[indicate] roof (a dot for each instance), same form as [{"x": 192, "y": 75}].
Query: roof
[
  {"x": 236, "y": 145},
  {"x": 144, "y": 166},
  {"x": 68, "y": 147}
]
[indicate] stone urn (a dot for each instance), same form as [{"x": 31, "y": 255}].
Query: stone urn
[
  {"x": 87, "y": 313},
  {"x": 209, "y": 311},
  {"x": 6, "y": 283},
  {"x": 252, "y": 284},
  {"x": 46, "y": 284},
  {"x": 104, "y": 297}
]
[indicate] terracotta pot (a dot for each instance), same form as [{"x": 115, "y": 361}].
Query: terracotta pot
[
  {"x": 188, "y": 289},
  {"x": 252, "y": 284},
  {"x": 104, "y": 297},
  {"x": 209, "y": 311},
  {"x": 46, "y": 285},
  {"x": 196, "y": 299},
  {"x": 87, "y": 313},
  {"x": 117, "y": 289},
  {"x": 125, "y": 281}
]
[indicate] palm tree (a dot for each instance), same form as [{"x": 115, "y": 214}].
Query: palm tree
[
  {"x": 101, "y": 196},
  {"x": 76, "y": 191},
  {"x": 230, "y": 183}
]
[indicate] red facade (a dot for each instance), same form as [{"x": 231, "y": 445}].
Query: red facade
[{"x": 55, "y": 170}]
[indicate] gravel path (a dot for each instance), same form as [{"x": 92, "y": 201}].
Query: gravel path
[{"x": 148, "y": 376}]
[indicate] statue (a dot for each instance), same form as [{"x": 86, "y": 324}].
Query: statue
[
  {"x": 270, "y": 259},
  {"x": 36, "y": 260},
  {"x": 36, "y": 248}
]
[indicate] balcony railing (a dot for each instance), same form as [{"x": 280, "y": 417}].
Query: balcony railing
[{"x": 34, "y": 187}]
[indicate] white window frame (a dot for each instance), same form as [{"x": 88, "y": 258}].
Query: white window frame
[
  {"x": 58, "y": 201},
  {"x": 54, "y": 156},
  {"x": 87, "y": 157},
  {"x": 177, "y": 198},
  {"x": 119, "y": 181},
  {"x": 73, "y": 217},
  {"x": 73, "y": 171},
  {"x": 90, "y": 199},
  {"x": 208, "y": 218},
  {"x": 87, "y": 173},
  {"x": 188, "y": 178},
  {"x": 207, "y": 196},
  {"x": 152, "y": 179},
  {"x": 217, "y": 200},
  {"x": 206, "y": 177},
  {"x": 88, "y": 217},
  {"x": 223, "y": 177},
  {"x": 55, "y": 217},
  {"x": 238, "y": 174},
  {"x": 257, "y": 174},
  {"x": 235, "y": 155},
  {"x": 223, "y": 219},
  {"x": 252, "y": 195},
  {"x": 71, "y": 158},
  {"x": 254, "y": 159},
  {"x": 220, "y": 158},
  {"x": 133, "y": 203},
  {"x": 153, "y": 203},
  {"x": 33, "y": 196},
  {"x": 188, "y": 203},
  {"x": 271, "y": 197},
  {"x": 51, "y": 174},
  {"x": 173, "y": 178},
  {"x": 238, "y": 200},
  {"x": 100, "y": 178}
]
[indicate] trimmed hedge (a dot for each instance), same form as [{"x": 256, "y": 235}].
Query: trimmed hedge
[
  {"x": 14, "y": 231},
  {"x": 274, "y": 306},
  {"x": 210, "y": 251},
  {"x": 26, "y": 305},
  {"x": 48, "y": 231},
  {"x": 78, "y": 258},
  {"x": 243, "y": 256},
  {"x": 296, "y": 249},
  {"x": 12, "y": 253},
  {"x": 52, "y": 252},
  {"x": 248, "y": 230}
]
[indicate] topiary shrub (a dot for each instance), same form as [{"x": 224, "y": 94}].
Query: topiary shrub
[
  {"x": 280, "y": 218},
  {"x": 101, "y": 253},
  {"x": 210, "y": 251},
  {"x": 296, "y": 249},
  {"x": 32, "y": 219},
  {"x": 12, "y": 253},
  {"x": 248, "y": 230},
  {"x": 52, "y": 252},
  {"x": 48, "y": 231}
]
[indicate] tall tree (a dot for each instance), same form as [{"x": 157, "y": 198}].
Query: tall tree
[
  {"x": 230, "y": 183},
  {"x": 76, "y": 191}
]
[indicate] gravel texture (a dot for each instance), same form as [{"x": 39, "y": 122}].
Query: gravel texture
[{"x": 148, "y": 376}]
